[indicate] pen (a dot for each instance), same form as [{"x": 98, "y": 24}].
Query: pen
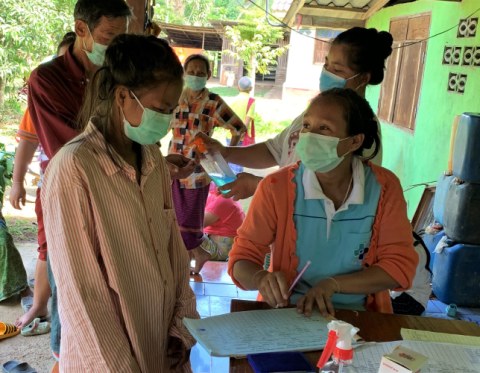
[{"x": 299, "y": 276}]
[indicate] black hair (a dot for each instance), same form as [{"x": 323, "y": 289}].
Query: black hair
[
  {"x": 68, "y": 38},
  {"x": 200, "y": 57},
  {"x": 359, "y": 116},
  {"x": 136, "y": 62},
  {"x": 368, "y": 50},
  {"x": 91, "y": 11}
]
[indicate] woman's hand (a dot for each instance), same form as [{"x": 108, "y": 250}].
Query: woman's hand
[
  {"x": 181, "y": 167},
  {"x": 177, "y": 350},
  {"x": 18, "y": 196},
  {"x": 273, "y": 288},
  {"x": 244, "y": 187},
  {"x": 213, "y": 144},
  {"x": 320, "y": 294}
]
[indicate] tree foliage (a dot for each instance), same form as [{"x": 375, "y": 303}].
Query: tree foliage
[
  {"x": 254, "y": 41},
  {"x": 195, "y": 12},
  {"x": 30, "y": 31}
]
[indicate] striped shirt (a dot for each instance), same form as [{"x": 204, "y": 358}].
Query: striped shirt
[
  {"x": 204, "y": 115},
  {"x": 120, "y": 265}
]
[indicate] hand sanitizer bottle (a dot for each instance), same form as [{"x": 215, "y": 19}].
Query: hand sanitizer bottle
[
  {"x": 214, "y": 165},
  {"x": 340, "y": 345}
]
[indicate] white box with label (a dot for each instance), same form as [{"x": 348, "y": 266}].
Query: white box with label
[{"x": 403, "y": 360}]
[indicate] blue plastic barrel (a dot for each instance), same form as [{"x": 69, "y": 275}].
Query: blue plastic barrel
[
  {"x": 440, "y": 197},
  {"x": 462, "y": 213},
  {"x": 466, "y": 154},
  {"x": 456, "y": 275},
  {"x": 431, "y": 241}
]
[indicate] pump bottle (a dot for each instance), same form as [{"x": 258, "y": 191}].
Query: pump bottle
[
  {"x": 340, "y": 346},
  {"x": 214, "y": 165}
]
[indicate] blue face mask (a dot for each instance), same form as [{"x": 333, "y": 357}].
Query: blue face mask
[
  {"x": 196, "y": 83},
  {"x": 329, "y": 80}
]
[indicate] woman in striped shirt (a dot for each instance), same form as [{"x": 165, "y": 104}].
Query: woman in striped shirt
[{"x": 116, "y": 250}]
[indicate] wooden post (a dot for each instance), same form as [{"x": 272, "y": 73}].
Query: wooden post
[
  {"x": 138, "y": 6},
  {"x": 203, "y": 42}
]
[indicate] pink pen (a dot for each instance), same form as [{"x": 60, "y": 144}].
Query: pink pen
[{"x": 299, "y": 276}]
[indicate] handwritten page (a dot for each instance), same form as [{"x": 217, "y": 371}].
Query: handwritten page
[
  {"x": 422, "y": 336},
  {"x": 238, "y": 334},
  {"x": 442, "y": 357}
]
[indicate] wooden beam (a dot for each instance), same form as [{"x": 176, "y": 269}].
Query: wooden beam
[
  {"x": 374, "y": 9},
  {"x": 292, "y": 12},
  {"x": 331, "y": 11},
  {"x": 136, "y": 25},
  {"x": 333, "y": 23}
]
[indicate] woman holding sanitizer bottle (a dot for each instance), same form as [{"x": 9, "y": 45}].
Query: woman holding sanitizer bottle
[{"x": 199, "y": 111}]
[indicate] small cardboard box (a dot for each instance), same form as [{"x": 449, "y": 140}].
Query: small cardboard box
[{"x": 403, "y": 360}]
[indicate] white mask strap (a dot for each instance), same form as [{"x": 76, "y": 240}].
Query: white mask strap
[{"x": 137, "y": 100}]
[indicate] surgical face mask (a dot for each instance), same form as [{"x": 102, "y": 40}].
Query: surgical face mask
[
  {"x": 153, "y": 127},
  {"x": 318, "y": 153},
  {"x": 97, "y": 55},
  {"x": 329, "y": 80},
  {"x": 196, "y": 83}
]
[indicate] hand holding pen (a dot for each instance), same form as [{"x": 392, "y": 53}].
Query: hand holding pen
[{"x": 273, "y": 286}]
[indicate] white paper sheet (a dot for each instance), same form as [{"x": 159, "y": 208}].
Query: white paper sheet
[
  {"x": 238, "y": 334},
  {"x": 442, "y": 357}
]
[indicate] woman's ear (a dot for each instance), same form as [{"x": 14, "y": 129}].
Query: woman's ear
[
  {"x": 364, "y": 79},
  {"x": 357, "y": 142},
  {"x": 209, "y": 75},
  {"x": 120, "y": 96}
]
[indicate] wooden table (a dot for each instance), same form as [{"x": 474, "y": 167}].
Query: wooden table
[{"x": 374, "y": 327}]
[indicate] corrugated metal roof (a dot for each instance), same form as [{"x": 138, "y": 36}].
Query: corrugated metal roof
[
  {"x": 284, "y": 5},
  {"x": 281, "y": 5}
]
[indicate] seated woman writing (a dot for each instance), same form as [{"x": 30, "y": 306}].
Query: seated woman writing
[{"x": 335, "y": 209}]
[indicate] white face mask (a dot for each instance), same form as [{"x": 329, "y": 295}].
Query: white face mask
[
  {"x": 97, "y": 55},
  {"x": 318, "y": 153},
  {"x": 153, "y": 128}
]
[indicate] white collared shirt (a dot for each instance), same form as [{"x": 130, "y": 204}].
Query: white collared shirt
[{"x": 313, "y": 190}]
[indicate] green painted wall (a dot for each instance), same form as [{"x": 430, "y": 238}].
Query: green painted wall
[{"x": 422, "y": 156}]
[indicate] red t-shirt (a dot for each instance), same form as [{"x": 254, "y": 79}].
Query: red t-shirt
[{"x": 230, "y": 215}]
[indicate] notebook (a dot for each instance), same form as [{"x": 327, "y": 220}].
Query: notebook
[{"x": 280, "y": 362}]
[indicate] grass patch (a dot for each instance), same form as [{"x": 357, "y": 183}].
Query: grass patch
[
  {"x": 232, "y": 92},
  {"x": 22, "y": 230},
  {"x": 260, "y": 92},
  {"x": 224, "y": 91}
]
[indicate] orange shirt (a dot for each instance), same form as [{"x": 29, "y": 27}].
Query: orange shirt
[
  {"x": 26, "y": 131},
  {"x": 270, "y": 222}
]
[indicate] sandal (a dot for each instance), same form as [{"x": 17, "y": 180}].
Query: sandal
[
  {"x": 27, "y": 304},
  {"x": 8, "y": 330},
  {"x": 36, "y": 328},
  {"x": 17, "y": 368},
  {"x": 9, "y": 365}
]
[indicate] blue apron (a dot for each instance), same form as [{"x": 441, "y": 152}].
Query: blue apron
[{"x": 343, "y": 251}]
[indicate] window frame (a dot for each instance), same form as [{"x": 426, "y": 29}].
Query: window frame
[{"x": 389, "y": 104}]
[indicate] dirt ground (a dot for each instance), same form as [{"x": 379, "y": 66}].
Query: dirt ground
[{"x": 33, "y": 350}]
